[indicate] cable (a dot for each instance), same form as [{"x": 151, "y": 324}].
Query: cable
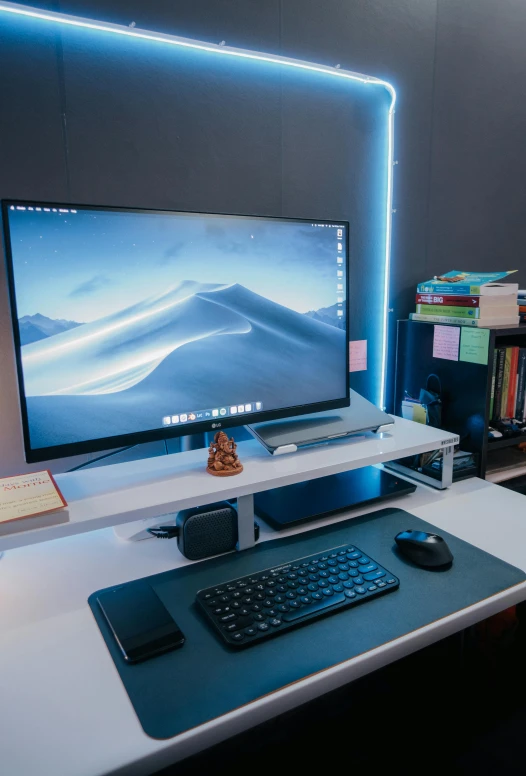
[
  {"x": 100, "y": 458},
  {"x": 164, "y": 531}
]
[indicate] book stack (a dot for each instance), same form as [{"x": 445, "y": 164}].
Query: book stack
[
  {"x": 468, "y": 299},
  {"x": 522, "y": 304},
  {"x": 508, "y": 385}
]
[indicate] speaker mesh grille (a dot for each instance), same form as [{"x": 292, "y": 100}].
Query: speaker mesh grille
[{"x": 210, "y": 533}]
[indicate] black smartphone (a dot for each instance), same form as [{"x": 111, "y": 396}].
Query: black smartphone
[{"x": 140, "y": 622}]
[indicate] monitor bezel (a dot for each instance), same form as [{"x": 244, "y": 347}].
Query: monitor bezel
[{"x": 37, "y": 455}]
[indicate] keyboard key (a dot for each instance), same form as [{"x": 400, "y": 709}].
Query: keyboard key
[
  {"x": 230, "y": 588},
  {"x": 303, "y": 580},
  {"x": 323, "y": 583},
  {"x": 328, "y": 591},
  {"x": 353, "y": 555},
  {"x": 313, "y": 587},
  {"x": 332, "y": 563},
  {"x": 391, "y": 581},
  {"x": 292, "y": 575},
  {"x": 259, "y": 617},
  {"x": 256, "y": 608},
  {"x": 360, "y": 590},
  {"x": 371, "y": 588},
  {"x": 218, "y": 591},
  {"x": 301, "y": 591},
  {"x": 268, "y": 603},
  {"x": 275, "y": 622},
  {"x": 218, "y": 610},
  {"x": 250, "y": 631},
  {"x": 281, "y": 588},
  {"x": 338, "y": 588},
  {"x": 262, "y": 626},
  {"x": 294, "y": 604},
  {"x": 317, "y": 596},
  {"x": 366, "y": 569},
  {"x": 382, "y": 584},
  {"x": 283, "y": 608},
  {"x": 324, "y": 574},
  {"x": 333, "y": 555},
  {"x": 349, "y": 585},
  {"x": 292, "y": 584},
  {"x": 322, "y": 565},
  {"x": 343, "y": 566},
  {"x": 228, "y": 617},
  {"x": 305, "y": 599},
  {"x": 315, "y": 607},
  {"x": 232, "y": 627},
  {"x": 291, "y": 594},
  {"x": 358, "y": 580},
  {"x": 237, "y": 594},
  {"x": 239, "y": 636},
  {"x": 279, "y": 599},
  {"x": 271, "y": 612},
  {"x": 244, "y": 612},
  {"x": 234, "y": 605},
  {"x": 224, "y": 598},
  {"x": 343, "y": 576},
  {"x": 259, "y": 597},
  {"x": 342, "y": 552},
  {"x": 363, "y": 560},
  {"x": 353, "y": 573},
  {"x": 212, "y": 602},
  {"x": 353, "y": 564},
  {"x": 350, "y": 594},
  {"x": 374, "y": 575},
  {"x": 333, "y": 580}
]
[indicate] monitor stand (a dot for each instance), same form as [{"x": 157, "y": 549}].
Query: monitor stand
[
  {"x": 314, "y": 499},
  {"x": 286, "y": 436}
]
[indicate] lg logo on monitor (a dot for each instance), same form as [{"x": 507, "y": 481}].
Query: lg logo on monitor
[{"x": 216, "y": 425}]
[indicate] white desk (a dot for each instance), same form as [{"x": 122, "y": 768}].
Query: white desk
[{"x": 63, "y": 709}]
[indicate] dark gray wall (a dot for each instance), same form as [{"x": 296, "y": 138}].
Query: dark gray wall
[{"x": 90, "y": 124}]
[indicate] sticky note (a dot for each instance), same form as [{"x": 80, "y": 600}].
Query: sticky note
[
  {"x": 357, "y": 356},
  {"x": 419, "y": 414},
  {"x": 445, "y": 342},
  {"x": 474, "y": 345}
]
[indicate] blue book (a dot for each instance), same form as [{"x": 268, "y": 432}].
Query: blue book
[{"x": 470, "y": 284}]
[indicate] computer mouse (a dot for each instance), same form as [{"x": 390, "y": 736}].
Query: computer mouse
[{"x": 425, "y": 549}]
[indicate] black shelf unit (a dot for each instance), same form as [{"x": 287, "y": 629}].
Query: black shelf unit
[{"x": 466, "y": 386}]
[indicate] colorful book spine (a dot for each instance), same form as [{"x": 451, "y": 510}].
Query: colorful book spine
[
  {"x": 505, "y": 384},
  {"x": 450, "y": 310},
  {"x": 447, "y": 288},
  {"x": 521, "y": 385},
  {"x": 500, "y": 356},
  {"x": 451, "y": 300},
  {"x": 493, "y": 379},
  {"x": 447, "y": 319},
  {"x": 512, "y": 390}
]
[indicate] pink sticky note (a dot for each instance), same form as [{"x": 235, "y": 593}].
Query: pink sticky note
[
  {"x": 357, "y": 355},
  {"x": 446, "y": 340}
]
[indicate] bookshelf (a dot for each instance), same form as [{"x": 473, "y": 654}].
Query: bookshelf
[{"x": 466, "y": 394}]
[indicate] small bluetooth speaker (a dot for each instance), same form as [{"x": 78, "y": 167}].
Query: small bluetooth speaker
[{"x": 208, "y": 530}]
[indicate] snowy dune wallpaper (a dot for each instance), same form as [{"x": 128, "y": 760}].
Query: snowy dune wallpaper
[{"x": 129, "y": 318}]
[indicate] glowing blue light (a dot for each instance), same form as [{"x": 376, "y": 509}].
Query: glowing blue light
[{"x": 336, "y": 72}]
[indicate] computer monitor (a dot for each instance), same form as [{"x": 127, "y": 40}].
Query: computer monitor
[{"x": 138, "y": 325}]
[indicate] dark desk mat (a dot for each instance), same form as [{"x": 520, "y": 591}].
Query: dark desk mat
[{"x": 205, "y": 678}]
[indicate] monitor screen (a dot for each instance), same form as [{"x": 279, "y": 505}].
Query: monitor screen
[{"x": 134, "y": 325}]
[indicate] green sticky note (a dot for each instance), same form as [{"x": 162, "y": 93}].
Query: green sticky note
[{"x": 474, "y": 345}]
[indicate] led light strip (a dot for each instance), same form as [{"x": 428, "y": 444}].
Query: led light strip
[{"x": 174, "y": 40}]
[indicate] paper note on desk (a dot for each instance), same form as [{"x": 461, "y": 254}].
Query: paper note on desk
[
  {"x": 474, "y": 345},
  {"x": 358, "y": 356},
  {"x": 28, "y": 495},
  {"x": 445, "y": 342}
]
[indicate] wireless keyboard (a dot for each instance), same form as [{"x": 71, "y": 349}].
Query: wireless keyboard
[{"x": 264, "y": 604}]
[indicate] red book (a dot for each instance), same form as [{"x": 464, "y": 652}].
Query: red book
[
  {"x": 442, "y": 299},
  {"x": 512, "y": 390}
]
